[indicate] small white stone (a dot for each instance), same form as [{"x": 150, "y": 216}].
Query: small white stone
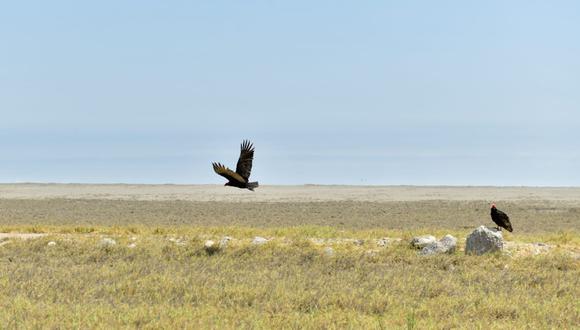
[
  {"x": 446, "y": 245},
  {"x": 383, "y": 242},
  {"x": 210, "y": 247},
  {"x": 225, "y": 241},
  {"x": 372, "y": 253},
  {"x": 132, "y": 246},
  {"x": 420, "y": 242},
  {"x": 259, "y": 240},
  {"x": 51, "y": 243},
  {"x": 328, "y": 251},
  {"x": 107, "y": 242},
  {"x": 177, "y": 241},
  {"x": 317, "y": 241}
]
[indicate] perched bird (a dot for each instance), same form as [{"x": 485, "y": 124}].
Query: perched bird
[
  {"x": 501, "y": 219},
  {"x": 239, "y": 178}
]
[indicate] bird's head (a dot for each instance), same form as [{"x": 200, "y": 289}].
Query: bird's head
[{"x": 493, "y": 205}]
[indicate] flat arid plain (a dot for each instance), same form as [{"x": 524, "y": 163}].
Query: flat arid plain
[{"x": 89, "y": 256}]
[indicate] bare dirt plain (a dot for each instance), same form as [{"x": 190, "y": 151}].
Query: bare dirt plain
[
  {"x": 533, "y": 210},
  {"x": 304, "y": 193}
]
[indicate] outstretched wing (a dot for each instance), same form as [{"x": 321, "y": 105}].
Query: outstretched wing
[
  {"x": 227, "y": 173},
  {"x": 244, "y": 167}
]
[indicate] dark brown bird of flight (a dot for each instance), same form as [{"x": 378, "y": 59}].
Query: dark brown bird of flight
[
  {"x": 241, "y": 177},
  {"x": 501, "y": 219}
]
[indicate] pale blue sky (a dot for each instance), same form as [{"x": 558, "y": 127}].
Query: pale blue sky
[{"x": 391, "y": 92}]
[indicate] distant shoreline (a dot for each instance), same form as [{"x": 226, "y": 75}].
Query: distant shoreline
[{"x": 285, "y": 185}]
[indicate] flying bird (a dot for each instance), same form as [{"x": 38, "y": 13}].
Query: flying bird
[
  {"x": 501, "y": 219},
  {"x": 239, "y": 178}
]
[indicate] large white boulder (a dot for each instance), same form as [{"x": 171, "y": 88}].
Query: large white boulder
[{"x": 484, "y": 240}]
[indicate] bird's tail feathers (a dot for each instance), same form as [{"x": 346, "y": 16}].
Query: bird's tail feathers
[{"x": 252, "y": 185}]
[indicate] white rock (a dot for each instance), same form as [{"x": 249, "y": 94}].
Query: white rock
[
  {"x": 177, "y": 241},
  {"x": 51, "y": 243},
  {"x": 359, "y": 242},
  {"x": 383, "y": 242},
  {"x": 371, "y": 253},
  {"x": 132, "y": 246},
  {"x": 449, "y": 242},
  {"x": 259, "y": 240},
  {"x": 107, "y": 242},
  {"x": 225, "y": 241},
  {"x": 420, "y": 242},
  {"x": 210, "y": 246},
  {"x": 317, "y": 241},
  {"x": 446, "y": 245},
  {"x": 328, "y": 251},
  {"x": 21, "y": 235},
  {"x": 483, "y": 240}
]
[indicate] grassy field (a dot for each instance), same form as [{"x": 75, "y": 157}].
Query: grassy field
[{"x": 166, "y": 279}]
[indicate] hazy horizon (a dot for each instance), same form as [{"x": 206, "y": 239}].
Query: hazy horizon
[
  {"x": 279, "y": 185},
  {"x": 446, "y": 93}
]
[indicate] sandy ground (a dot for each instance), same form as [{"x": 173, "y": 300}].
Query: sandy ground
[
  {"x": 307, "y": 193},
  {"x": 533, "y": 210}
]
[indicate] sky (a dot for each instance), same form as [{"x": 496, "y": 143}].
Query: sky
[{"x": 330, "y": 92}]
